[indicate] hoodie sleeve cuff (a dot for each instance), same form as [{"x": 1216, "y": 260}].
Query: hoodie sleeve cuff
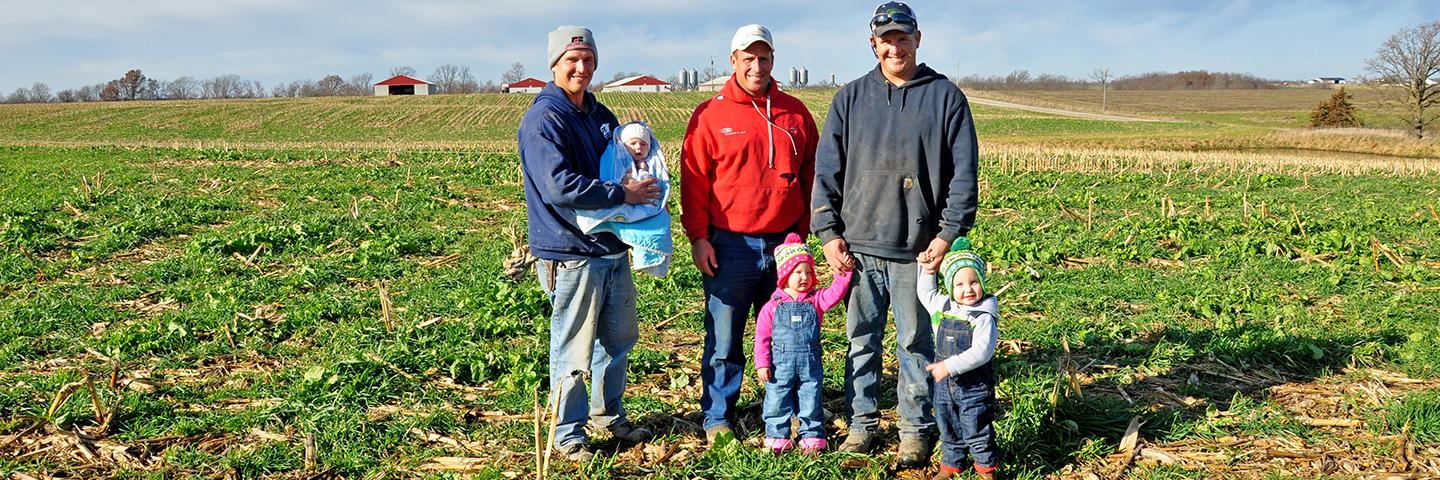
[
  {"x": 950, "y": 234},
  {"x": 827, "y": 235}
]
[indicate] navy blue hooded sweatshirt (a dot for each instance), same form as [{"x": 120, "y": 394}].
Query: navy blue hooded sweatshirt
[
  {"x": 896, "y": 166},
  {"x": 560, "y": 148}
]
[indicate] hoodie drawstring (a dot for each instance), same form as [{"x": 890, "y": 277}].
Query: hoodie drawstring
[{"x": 770, "y": 130}]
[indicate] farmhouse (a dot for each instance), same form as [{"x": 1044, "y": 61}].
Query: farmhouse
[
  {"x": 1328, "y": 81},
  {"x": 714, "y": 84},
  {"x": 638, "y": 83},
  {"x": 528, "y": 85},
  {"x": 404, "y": 85}
]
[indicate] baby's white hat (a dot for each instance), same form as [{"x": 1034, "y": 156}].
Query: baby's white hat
[{"x": 634, "y": 130}]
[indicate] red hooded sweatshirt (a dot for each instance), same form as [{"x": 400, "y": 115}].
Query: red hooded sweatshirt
[{"x": 747, "y": 164}]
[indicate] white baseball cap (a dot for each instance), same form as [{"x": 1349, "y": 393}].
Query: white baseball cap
[{"x": 747, "y": 35}]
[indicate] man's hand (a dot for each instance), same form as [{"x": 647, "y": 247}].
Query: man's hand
[
  {"x": 937, "y": 371},
  {"x": 703, "y": 254},
  {"x": 644, "y": 191},
  {"x": 764, "y": 375},
  {"x": 837, "y": 254},
  {"x": 932, "y": 256}
]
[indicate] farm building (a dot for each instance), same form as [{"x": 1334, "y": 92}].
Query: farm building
[
  {"x": 528, "y": 85},
  {"x": 1328, "y": 81},
  {"x": 638, "y": 83},
  {"x": 714, "y": 84},
  {"x": 404, "y": 85}
]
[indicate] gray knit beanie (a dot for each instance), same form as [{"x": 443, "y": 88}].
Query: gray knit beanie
[{"x": 571, "y": 37}]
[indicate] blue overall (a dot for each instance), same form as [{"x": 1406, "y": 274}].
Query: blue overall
[
  {"x": 965, "y": 403},
  {"x": 795, "y": 357}
]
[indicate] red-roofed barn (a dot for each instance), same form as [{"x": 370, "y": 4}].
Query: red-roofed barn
[
  {"x": 528, "y": 85},
  {"x": 404, "y": 85},
  {"x": 638, "y": 83}
]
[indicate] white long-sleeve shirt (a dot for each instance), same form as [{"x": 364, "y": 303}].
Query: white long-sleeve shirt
[{"x": 984, "y": 318}]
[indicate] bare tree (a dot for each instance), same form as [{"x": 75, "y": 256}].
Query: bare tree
[
  {"x": 40, "y": 93},
  {"x": 1102, "y": 76},
  {"x": 360, "y": 85},
  {"x": 132, "y": 86},
  {"x": 514, "y": 74},
  {"x": 67, "y": 96},
  {"x": 402, "y": 71},
  {"x": 183, "y": 88},
  {"x": 1406, "y": 63},
  {"x": 224, "y": 86},
  {"x": 20, "y": 95},
  {"x": 454, "y": 79},
  {"x": 330, "y": 86},
  {"x": 90, "y": 93}
]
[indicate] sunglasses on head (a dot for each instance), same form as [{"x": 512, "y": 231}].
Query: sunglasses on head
[{"x": 895, "y": 17}]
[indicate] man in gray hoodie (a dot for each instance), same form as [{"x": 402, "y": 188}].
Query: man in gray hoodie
[{"x": 894, "y": 179}]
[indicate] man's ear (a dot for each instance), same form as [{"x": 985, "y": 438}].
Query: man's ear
[
  {"x": 873, "y": 50},
  {"x": 917, "y": 39}
]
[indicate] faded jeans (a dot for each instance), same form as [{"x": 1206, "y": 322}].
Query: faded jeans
[
  {"x": 743, "y": 282},
  {"x": 882, "y": 284},
  {"x": 592, "y": 330}
]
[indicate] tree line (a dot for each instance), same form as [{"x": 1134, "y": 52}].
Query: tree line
[
  {"x": 135, "y": 85},
  {"x": 1186, "y": 80}
]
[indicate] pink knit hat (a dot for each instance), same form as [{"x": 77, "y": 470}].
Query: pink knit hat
[{"x": 790, "y": 255}]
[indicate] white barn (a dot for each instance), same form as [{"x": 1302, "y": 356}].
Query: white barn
[
  {"x": 638, "y": 83},
  {"x": 404, "y": 85},
  {"x": 528, "y": 85}
]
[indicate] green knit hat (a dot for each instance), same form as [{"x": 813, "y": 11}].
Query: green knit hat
[{"x": 960, "y": 256}]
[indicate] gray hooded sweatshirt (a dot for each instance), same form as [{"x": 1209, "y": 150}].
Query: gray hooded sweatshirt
[{"x": 896, "y": 166}]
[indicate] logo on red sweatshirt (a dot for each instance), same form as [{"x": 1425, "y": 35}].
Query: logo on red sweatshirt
[{"x": 727, "y": 131}]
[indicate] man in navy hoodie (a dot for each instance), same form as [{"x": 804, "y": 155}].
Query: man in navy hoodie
[
  {"x": 587, "y": 277},
  {"x": 894, "y": 181}
]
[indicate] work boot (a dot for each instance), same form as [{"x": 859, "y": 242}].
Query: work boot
[
  {"x": 858, "y": 441},
  {"x": 630, "y": 433},
  {"x": 718, "y": 435},
  {"x": 576, "y": 452},
  {"x": 914, "y": 452}
]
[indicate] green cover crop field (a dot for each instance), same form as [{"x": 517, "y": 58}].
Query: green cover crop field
[{"x": 314, "y": 288}]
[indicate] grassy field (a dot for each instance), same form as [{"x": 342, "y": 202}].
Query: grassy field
[{"x": 313, "y": 288}]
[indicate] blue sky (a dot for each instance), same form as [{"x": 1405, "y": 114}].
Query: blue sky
[{"x": 70, "y": 43}]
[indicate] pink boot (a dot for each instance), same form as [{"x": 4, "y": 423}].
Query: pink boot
[
  {"x": 812, "y": 446},
  {"x": 778, "y": 445}
]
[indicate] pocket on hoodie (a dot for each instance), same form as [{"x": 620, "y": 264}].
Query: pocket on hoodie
[{"x": 885, "y": 206}]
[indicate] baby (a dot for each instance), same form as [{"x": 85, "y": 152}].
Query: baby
[
  {"x": 965, "y": 322},
  {"x": 636, "y": 138},
  {"x": 787, "y": 347}
]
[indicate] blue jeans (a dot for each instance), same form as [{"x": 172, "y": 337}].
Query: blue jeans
[
  {"x": 743, "y": 282},
  {"x": 795, "y": 358},
  {"x": 882, "y": 284},
  {"x": 965, "y": 404},
  {"x": 592, "y": 331}
]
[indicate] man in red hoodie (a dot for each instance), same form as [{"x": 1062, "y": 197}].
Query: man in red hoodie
[{"x": 747, "y": 165}]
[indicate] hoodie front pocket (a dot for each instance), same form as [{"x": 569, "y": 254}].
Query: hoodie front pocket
[{"x": 884, "y": 207}]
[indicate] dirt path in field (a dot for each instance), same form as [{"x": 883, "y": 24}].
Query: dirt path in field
[{"x": 1056, "y": 111}]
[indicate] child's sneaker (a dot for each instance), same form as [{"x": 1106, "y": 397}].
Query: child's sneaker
[
  {"x": 813, "y": 446},
  {"x": 778, "y": 445}
]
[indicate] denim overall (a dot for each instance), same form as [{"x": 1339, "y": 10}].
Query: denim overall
[
  {"x": 795, "y": 357},
  {"x": 965, "y": 403}
]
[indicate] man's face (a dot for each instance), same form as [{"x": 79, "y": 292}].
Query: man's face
[
  {"x": 574, "y": 70},
  {"x": 752, "y": 67},
  {"x": 896, "y": 51}
]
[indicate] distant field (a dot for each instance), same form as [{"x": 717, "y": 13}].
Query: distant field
[
  {"x": 314, "y": 288},
  {"x": 1232, "y": 121}
]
